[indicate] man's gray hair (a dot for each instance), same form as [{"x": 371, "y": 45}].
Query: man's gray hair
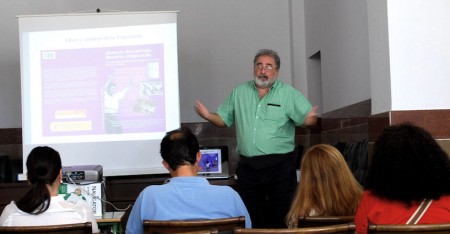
[{"x": 268, "y": 52}]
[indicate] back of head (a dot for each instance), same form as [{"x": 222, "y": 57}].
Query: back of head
[
  {"x": 326, "y": 186},
  {"x": 179, "y": 147},
  {"x": 43, "y": 166},
  {"x": 408, "y": 165}
]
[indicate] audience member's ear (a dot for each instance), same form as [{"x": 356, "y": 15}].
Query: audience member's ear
[
  {"x": 166, "y": 165},
  {"x": 59, "y": 178},
  {"x": 198, "y": 157}
]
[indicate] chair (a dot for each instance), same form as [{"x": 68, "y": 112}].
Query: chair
[
  {"x": 410, "y": 228},
  {"x": 314, "y": 221},
  {"x": 338, "y": 228},
  {"x": 223, "y": 225},
  {"x": 206, "y": 231},
  {"x": 75, "y": 228}
]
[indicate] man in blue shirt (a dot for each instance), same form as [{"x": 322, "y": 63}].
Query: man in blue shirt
[
  {"x": 185, "y": 196},
  {"x": 265, "y": 112}
]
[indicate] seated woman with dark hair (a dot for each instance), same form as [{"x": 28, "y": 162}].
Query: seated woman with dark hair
[
  {"x": 327, "y": 186},
  {"x": 408, "y": 169},
  {"x": 41, "y": 205}
]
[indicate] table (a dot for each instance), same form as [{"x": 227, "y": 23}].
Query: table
[{"x": 111, "y": 219}]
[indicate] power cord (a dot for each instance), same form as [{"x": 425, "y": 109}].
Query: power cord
[{"x": 96, "y": 197}]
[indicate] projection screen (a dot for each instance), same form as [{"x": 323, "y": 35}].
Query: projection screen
[{"x": 100, "y": 88}]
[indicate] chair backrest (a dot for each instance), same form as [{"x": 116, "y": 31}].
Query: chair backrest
[
  {"x": 74, "y": 228},
  {"x": 410, "y": 228},
  {"x": 315, "y": 221},
  {"x": 206, "y": 231},
  {"x": 338, "y": 228},
  {"x": 173, "y": 226}
]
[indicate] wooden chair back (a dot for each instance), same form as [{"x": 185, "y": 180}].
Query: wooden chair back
[
  {"x": 206, "y": 231},
  {"x": 338, "y": 228},
  {"x": 75, "y": 228},
  {"x": 315, "y": 221},
  {"x": 223, "y": 225},
  {"x": 410, "y": 228}
]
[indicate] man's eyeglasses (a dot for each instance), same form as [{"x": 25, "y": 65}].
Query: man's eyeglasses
[{"x": 260, "y": 67}]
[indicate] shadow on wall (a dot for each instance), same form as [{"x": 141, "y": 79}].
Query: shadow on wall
[
  {"x": 9, "y": 169},
  {"x": 355, "y": 153}
]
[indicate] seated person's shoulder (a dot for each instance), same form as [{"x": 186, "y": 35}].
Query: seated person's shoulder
[
  {"x": 225, "y": 190},
  {"x": 445, "y": 199}
]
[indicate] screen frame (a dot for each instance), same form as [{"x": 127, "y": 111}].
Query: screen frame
[
  {"x": 144, "y": 155},
  {"x": 223, "y": 151}
]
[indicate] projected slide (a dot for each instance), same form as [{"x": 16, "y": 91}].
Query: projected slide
[
  {"x": 100, "y": 84},
  {"x": 109, "y": 90}
]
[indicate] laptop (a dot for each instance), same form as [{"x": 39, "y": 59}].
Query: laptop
[{"x": 214, "y": 162}]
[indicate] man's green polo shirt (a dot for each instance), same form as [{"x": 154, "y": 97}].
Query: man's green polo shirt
[{"x": 265, "y": 126}]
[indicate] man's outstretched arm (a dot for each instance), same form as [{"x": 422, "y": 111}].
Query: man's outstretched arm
[{"x": 203, "y": 112}]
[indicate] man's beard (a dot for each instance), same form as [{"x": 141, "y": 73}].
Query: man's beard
[{"x": 263, "y": 84}]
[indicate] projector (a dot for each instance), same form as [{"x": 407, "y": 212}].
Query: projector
[{"x": 81, "y": 174}]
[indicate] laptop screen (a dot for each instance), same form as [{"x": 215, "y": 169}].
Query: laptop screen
[{"x": 213, "y": 160}]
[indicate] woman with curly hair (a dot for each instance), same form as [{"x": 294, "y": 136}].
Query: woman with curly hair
[
  {"x": 327, "y": 186},
  {"x": 408, "y": 168}
]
